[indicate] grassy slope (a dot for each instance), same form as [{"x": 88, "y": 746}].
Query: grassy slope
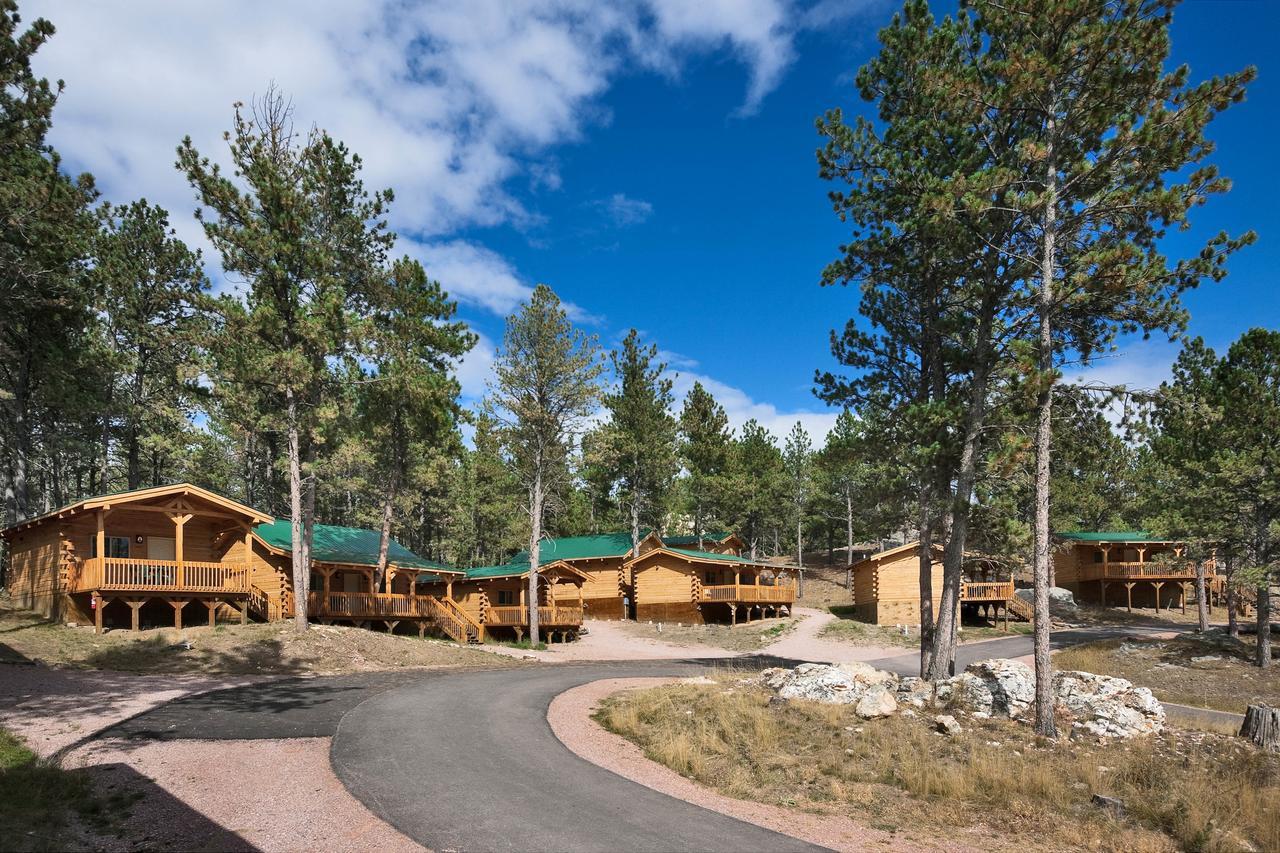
[
  {"x": 273, "y": 648},
  {"x": 996, "y": 786},
  {"x": 1229, "y": 683}
]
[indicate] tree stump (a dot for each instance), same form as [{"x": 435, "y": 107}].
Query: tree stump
[{"x": 1262, "y": 726}]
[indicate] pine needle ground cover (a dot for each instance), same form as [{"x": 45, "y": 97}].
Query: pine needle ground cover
[
  {"x": 1207, "y": 671},
  {"x": 996, "y": 784}
]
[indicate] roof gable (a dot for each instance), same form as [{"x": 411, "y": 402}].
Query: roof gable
[
  {"x": 520, "y": 570},
  {"x": 580, "y": 548},
  {"x": 115, "y": 499},
  {"x": 692, "y": 556}
]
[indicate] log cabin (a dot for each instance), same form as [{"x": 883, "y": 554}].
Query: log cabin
[
  {"x": 496, "y": 598},
  {"x": 344, "y": 563},
  {"x": 145, "y": 556},
  {"x": 682, "y": 585},
  {"x": 1129, "y": 567},
  {"x": 607, "y": 590},
  {"x": 886, "y": 587}
]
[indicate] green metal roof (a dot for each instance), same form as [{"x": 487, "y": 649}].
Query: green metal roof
[
  {"x": 579, "y": 548},
  {"x": 679, "y": 541},
  {"x": 721, "y": 558},
  {"x": 354, "y": 545},
  {"x": 1111, "y": 536},
  {"x": 510, "y": 570}
]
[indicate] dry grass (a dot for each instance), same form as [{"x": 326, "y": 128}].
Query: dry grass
[
  {"x": 1182, "y": 790},
  {"x": 273, "y": 648},
  {"x": 1226, "y": 681},
  {"x": 740, "y": 638},
  {"x": 824, "y": 588}
]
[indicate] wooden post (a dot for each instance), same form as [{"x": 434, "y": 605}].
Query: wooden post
[
  {"x": 98, "y": 604},
  {"x": 1157, "y": 585},
  {"x": 212, "y": 604},
  {"x": 1129, "y": 593},
  {"x": 179, "y": 522},
  {"x": 101, "y": 543},
  {"x": 448, "y": 589},
  {"x": 244, "y": 612},
  {"x": 135, "y": 604},
  {"x": 177, "y": 612},
  {"x": 1184, "y": 598}
]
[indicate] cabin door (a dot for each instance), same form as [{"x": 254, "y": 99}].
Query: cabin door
[{"x": 162, "y": 548}]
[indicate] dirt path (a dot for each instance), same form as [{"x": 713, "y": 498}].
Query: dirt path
[
  {"x": 52, "y": 709},
  {"x": 610, "y": 641},
  {"x": 570, "y": 719},
  {"x": 233, "y": 795},
  {"x": 803, "y": 643}
]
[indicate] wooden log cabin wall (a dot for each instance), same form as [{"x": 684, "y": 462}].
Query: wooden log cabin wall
[{"x": 682, "y": 585}]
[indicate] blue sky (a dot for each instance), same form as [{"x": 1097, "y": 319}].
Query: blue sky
[{"x": 652, "y": 161}]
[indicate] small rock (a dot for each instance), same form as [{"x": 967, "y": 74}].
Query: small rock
[
  {"x": 1110, "y": 804},
  {"x": 528, "y": 657},
  {"x": 947, "y": 725},
  {"x": 876, "y": 702},
  {"x": 848, "y": 752},
  {"x": 1206, "y": 659}
]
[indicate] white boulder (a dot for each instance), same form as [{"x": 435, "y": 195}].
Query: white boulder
[
  {"x": 877, "y": 701},
  {"x": 1011, "y": 684},
  {"x": 841, "y": 685},
  {"x": 1105, "y": 706}
]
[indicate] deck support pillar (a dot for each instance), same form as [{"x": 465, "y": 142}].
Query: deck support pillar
[
  {"x": 212, "y": 605},
  {"x": 733, "y": 615},
  {"x": 1157, "y": 585},
  {"x": 177, "y": 606},
  {"x": 422, "y": 629},
  {"x": 244, "y": 612},
  {"x": 135, "y": 604},
  {"x": 519, "y": 634},
  {"x": 98, "y": 604},
  {"x": 1184, "y": 586},
  {"x": 1129, "y": 593},
  {"x": 391, "y": 625}
]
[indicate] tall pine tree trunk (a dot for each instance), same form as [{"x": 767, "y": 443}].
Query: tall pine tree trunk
[
  {"x": 384, "y": 538},
  {"x": 535, "y": 541},
  {"x": 944, "y": 648},
  {"x": 926, "y": 582},
  {"x": 1044, "y": 722},
  {"x": 1202, "y": 604},
  {"x": 133, "y": 456},
  {"x": 1263, "y": 655},
  {"x": 848, "y": 539},
  {"x": 298, "y": 555}
]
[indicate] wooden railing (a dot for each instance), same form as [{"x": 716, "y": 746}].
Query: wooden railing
[
  {"x": 453, "y": 620},
  {"x": 750, "y": 592},
  {"x": 987, "y": 591},
  {"x": 129, "y": 574},
  {"x": 368, "y": 605},
  {"x": 1136, "y": 571},
  {"x": 516, "y": 616}
]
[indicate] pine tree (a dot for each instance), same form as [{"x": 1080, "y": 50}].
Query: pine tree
[
  {"x": 408, "y": 403},
  {"x": 797, "y": 461},
  {"x": 642, "y": 435},
  {"x": 705, "y": 447},
  {"x": 150, "y": 291},
  {"x": 757, "y": 478},
  {"x": 544, "y": 386},
  {"x": 295, "y": 222}
]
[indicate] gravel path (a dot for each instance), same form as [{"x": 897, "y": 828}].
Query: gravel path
[
  {"x": 802, "y": 642},
  {"x": 234, "y": 795},
  {"x": 570, "y": 719},
  {"x": 53, "y": 709},
  {"x": 607, "y": 640}
]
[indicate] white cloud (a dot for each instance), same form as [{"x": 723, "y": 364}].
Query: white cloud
[
  {"x": 1139, "y": 366},
  {"x": 740, "y": 408},
  {"x": 622, "y": 210}
]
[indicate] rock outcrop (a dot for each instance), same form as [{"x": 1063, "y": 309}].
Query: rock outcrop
[
  {"x": 870, "y": 690},
  {"x": 1105, "y": 706}
]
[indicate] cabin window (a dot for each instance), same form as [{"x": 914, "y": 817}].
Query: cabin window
[
  {"x": 506, "y": 597},
  {"x": 710, "y": 577},
  {"x": 117, "y": 546},
  {"x": 1097, "y": 556}
]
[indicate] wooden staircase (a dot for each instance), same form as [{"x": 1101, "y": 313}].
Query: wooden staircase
[
  {"x": 1021, "y": 609},
  {"x": 453, "y": 620}
]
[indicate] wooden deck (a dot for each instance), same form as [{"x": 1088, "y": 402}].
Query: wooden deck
[
  {"x": 749, "y": 594},
  {"x": 518, "y": 617},
  {"x": 1136, "y": 571},
  {"x": 393, "y": 608},
  {"x": 113, "y": 574}
]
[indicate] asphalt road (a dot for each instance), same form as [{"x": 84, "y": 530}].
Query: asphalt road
[{"x": 468, "y": 762}]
